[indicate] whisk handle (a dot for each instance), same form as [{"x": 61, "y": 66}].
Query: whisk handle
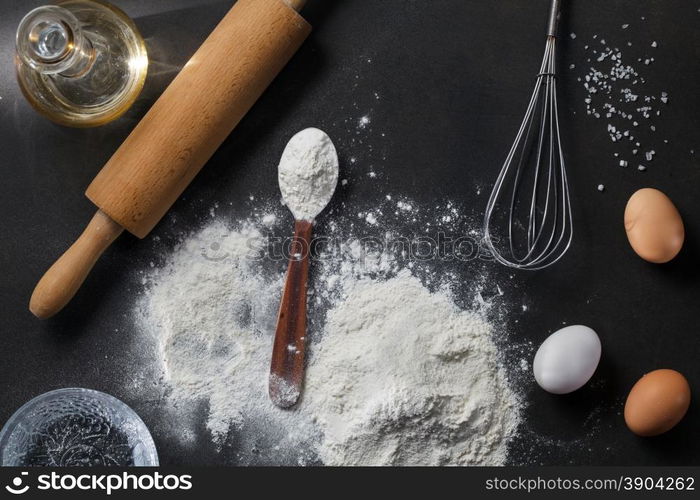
[{"x": 553, "y": 18}]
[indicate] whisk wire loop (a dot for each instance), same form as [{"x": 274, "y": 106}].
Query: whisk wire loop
[{"x": 533, "y": 182}]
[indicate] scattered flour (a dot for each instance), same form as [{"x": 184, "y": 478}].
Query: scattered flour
[
  {"x": 208, "y": 313},
  {"x": 398, "y": 374}
]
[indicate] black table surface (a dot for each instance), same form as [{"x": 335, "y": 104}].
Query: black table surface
[{"x": 454, "y": 77}]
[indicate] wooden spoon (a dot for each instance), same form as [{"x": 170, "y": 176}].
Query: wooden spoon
[{"x": 289, "y": 351}]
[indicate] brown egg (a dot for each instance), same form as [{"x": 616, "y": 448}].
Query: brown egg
[
  {"x": 657, "y": 402},
  {"x": 654, "y": 226}
]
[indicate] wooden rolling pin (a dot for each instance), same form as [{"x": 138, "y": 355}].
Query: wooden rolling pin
[{"x": 178, "y": 135}]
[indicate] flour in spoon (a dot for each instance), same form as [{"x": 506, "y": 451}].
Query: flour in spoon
[{"x": 308, "y": 173}]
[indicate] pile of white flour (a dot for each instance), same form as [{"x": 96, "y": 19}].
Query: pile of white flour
[
  {"x": 402, "y": 376},
  {"x": 397, "y": 374}
]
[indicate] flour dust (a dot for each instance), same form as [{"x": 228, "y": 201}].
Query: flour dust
[{"x": 404, "y": 365}]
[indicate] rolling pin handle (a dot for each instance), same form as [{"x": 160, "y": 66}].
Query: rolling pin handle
[
  {"x": 296, "y": 4},
  {"x": 63, "y": 279}
]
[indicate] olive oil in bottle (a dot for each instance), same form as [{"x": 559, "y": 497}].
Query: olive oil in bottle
[{"x": 81, "y": 63}]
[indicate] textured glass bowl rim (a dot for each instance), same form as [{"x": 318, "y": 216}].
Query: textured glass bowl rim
[{"x": 114, "y": 403}]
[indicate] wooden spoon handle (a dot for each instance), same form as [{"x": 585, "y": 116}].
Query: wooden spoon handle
[
  {"x": 287, "y": 370},
  {"x": 63, "y": 279}
]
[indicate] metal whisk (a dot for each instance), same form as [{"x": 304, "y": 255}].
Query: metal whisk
[{"x": 530, "y": 202}]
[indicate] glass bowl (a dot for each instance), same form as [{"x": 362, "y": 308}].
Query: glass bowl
[{"x": 76, "y": 427}]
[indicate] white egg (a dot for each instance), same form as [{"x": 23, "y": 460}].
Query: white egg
[{"x": 567, "y": 359}]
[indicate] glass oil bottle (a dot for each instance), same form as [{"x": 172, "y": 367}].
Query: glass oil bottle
[{"x": 81, "y": 63}]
